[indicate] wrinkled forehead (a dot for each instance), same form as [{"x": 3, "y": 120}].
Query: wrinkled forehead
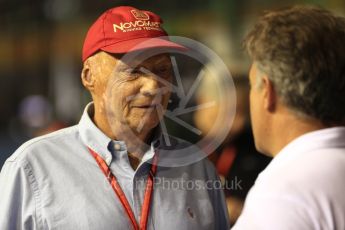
[
  {"x": 143, "y": 60},
  {"x": 104, "y": 60}
]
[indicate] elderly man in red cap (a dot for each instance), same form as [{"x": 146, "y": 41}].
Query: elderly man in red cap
[{"x": 108, "y": 172}]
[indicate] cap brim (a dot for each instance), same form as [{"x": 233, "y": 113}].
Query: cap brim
[{"x": 143, "y": 44}]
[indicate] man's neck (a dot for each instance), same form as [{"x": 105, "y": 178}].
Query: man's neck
[
  {"x": 289, "y": 127},
  {"x": 135, "y": 142}
]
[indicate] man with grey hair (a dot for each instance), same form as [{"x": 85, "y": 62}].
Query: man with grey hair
[{"x": 298, "y": 115}]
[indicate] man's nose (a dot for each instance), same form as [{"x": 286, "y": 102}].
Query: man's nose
[{"x": 151, "y": 85}]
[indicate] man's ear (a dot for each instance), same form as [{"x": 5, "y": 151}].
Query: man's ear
[
  {"x": 269, "y": 93},
  {"x": 87, "y": 77}
]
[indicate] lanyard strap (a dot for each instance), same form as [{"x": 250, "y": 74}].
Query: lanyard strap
[{"x": 121, "y": 195}]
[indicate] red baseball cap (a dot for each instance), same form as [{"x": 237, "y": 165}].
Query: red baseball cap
[{"x": 121, "y": 29}]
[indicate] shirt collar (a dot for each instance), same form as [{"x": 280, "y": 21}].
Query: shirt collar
[
  {"x": 92, "y": 136},
  {"x": 95, "y": 139},
  {"x": 320, "y": 139}
]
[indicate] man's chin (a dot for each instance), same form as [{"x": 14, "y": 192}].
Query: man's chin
[{"x": 143, "y": 126}]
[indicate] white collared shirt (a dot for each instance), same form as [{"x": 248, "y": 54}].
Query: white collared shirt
[
  {"x": 53, "y": 182},
  {"x": 303, "y": 188}
]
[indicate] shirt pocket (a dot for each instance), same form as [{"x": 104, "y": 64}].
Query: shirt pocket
[{"x": 182, "y": 209}]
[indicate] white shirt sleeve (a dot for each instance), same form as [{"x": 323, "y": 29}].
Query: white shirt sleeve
[
  {"x": 274, "y": 211},
  {"x": 18, "y": 197}
]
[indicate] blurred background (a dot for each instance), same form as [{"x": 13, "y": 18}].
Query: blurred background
[{"x": 40, "y": 64}]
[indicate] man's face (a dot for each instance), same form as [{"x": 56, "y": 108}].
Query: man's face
[{"x": 133, "y": 94}]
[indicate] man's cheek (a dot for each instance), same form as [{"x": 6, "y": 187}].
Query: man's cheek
[{"x": 166, "y": 98}]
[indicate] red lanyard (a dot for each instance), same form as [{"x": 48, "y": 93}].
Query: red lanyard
[{"x": 121, "y": 195}]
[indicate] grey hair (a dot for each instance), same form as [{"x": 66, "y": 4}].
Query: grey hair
[{"x": 302, "y": 51}]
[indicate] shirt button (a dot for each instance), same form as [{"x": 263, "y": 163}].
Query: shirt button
[{"x": 117, "y": 146}]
